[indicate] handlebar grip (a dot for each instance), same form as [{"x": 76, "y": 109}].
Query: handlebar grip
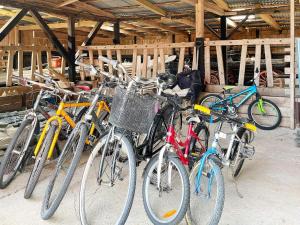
[
  {"x": 202, "y": 109},
  {"x": 112, "y": 62}
]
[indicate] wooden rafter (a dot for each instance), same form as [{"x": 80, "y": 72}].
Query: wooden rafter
[
  {"x": 138, "y": 28},
  {"x": 148, "y": 5},
  {"x": 222, "y": 4},
  {"x": 68, "y": 2},
  {"x": 6, "y": 12},
  {"x": 185, "y": 21},
  {"x": 93, "y": 9},
  {"x": 208, "y": 6},
  {"x": 270, "y": 20},
  {"x": 162, "y": 27}
]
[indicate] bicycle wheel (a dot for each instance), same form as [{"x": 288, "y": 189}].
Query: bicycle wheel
[
  {"x": 265, "y": 114},
  {"x": 15, "y": 153},
  {"x": 108, "y": 178},
  {"x": 236, "y": 158},
  {"x": 64, "y": 170},
  {"x": 212, "y": 101},
  {"x": 40, "y": 161},
  {"x": 168, "y": 203},
  {"x": 207, "y": 198}
]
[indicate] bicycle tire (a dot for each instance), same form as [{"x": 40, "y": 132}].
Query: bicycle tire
[
  {"x": 186, "y": 190},
  {"x": 39, "y": 162},
  {"x": 218, "y": 209},
  {"x": 202, "y": 101},
  {"x": 261, "y": 126},
  {"x": 50, "y": 207},
  {"x": 9, "y": 153},
  {"x": 236, "y": 171},
  {"x": 132, "y": 177}
]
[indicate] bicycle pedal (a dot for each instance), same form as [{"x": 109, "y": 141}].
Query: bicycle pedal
[{"x": 92, "y": 139}]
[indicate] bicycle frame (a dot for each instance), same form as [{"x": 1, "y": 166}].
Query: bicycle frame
[{"x": 58, "y": 118}]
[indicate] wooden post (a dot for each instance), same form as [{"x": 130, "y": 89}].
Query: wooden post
[
  {"x": 257, "y": 61},
  {"x": 199, "y": 9},
  {"x": 292, "y": 64},
  {"x": 39, "y": 63},
  {"x": 155, "y": 62},
  {"x": 145, "y": 63},
  {"x": 9, "y": 71},
  {"x": 220, "y": 65},
  {"x": 181, "y": 60},
  {"x": 91, "y": 59},
  {"x": 268, "y": 58},
  {"x": 33, "y": 64},
  {"x": 162, "y": 61},
  {"x": 71, "y": 49},
  {"x": 109, "y": 55},
  {"x": 100, "y": 62},
  {"x": 20, "y": 63},
  {"x": 207, "y": 62},
  {"x": 134, "y": 62},
  {"x": 242, "y": 65}
]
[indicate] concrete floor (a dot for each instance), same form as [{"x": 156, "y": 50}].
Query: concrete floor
[{"x": 269, "y": 185}]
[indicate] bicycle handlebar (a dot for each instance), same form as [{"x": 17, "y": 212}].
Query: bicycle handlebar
[{"x": 206, "y": 111}]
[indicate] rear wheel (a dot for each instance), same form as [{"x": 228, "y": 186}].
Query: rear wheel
[
  {"x": 207, "y": 195},
  {"x": 109, "y": 177},
  {"x": 213, "y": 102},
  {"x": 40, "y": 160},
  {"x": 168, "y": 203},
  {"x": 16, "y": 153},
  {"x": 265, "y": 114}
]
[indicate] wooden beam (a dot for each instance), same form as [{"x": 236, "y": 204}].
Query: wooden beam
[
  {"x": 270, "y": 20},
  {"x": 186, "y": 21},
  {"x": 5, "y": 12},
  {"x": 199, "y": 8},
  {"x": 292, "y": 65},
  {"x": 163, "y": 27},
  {"x": 68, "y": 2},
  {"x": 154, "y": 8},
  {"x": 138, "y": 28},
  {"x": 208, "y": 6},
  {"x": 94, "y": 10},
  {"x": 222, "y": 4},
  {"x": 11, "y": 23}
]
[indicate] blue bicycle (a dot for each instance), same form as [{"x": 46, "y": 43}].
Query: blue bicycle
[
  {"x": 206, "y": 179},
  {"x": 263, "y": 112}
]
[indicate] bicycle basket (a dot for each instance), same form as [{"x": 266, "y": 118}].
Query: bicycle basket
[{"x": 132, "y": 111}]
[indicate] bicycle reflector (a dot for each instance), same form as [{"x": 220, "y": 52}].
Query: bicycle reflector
[
  {"x": 169, "y": 214},
  {"x": 202, "y": 108},
  {"x": 250, "y": 126}
]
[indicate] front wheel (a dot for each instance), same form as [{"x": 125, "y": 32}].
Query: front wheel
[
  {"x": 168, "y": 203},
  {"x": 265, "y": 114},
  {"x": 108, "y": 182},
  {"x": 207, "y": 194},
  {"x": 215, "y": 103}
]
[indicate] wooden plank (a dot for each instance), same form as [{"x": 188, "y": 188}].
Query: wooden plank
[
  {"x": 9, "y": 70},
  {"x": 220, "y": 65},
  {"x": 269, "y": 68},
  {"x": 100, "y": 63},
  {"x": 181, "y": 60},
  {"x": 109, "y": 55},
  {"x": 271, "y": 41},
  {"x": 39, "y": 63},
  {"x": 162, "y": 68},
  {"x": 33, "y": 64},
  {"x": 145, "y": 63},
  {"x": 292, "y": 64},
  {"x": 150, "y": 6},
  {"x": 20, "y": 63},
  {"x": 63, "y": 66},
  {"x": 257, "y": 62},
  {"x": 139, "y": 66},
  {"x": 195, "y": 59},
  {"x": 81, "y": 69},
  {"x": 199, "y": 11},
  {"x": 91, "y": 61},
  {"x": 119, "y": 56},
  {"x": 155, "y": 62},
  {"x": 207, "y": 63},
  {"x": 49, "y": 58},
  {"x": 134, "y": 62},
  {"x": 242, "y": 65}
]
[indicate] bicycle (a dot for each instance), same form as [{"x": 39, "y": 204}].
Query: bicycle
[
  {"x": 263, "y": 112},
  {"x": 19, "y": 150},
  {"x": 158, "y": 174},
  {"x": 52, "y": 130},
  {"x": 136, "y": 132},
  {"x": 74, "y": 146},
  {"x": 206, "y": 179}
]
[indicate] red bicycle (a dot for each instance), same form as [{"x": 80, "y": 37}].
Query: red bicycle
[{"x": 166, "y": 187}]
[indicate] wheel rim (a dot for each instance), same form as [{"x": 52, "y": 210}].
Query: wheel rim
[
  {"x": 10, "y": 166},
  {"x": 163, "y": 206},
  {"x": 209, "y": 101},
  {"x": 105, "y": 190},
  {"x": 266, "y": 118}
]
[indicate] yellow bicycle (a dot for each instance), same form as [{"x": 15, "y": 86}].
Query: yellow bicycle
[{"x": 53, "y": 127}]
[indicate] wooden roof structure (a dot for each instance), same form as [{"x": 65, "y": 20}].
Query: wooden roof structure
[{"x": 138, "y": 17}]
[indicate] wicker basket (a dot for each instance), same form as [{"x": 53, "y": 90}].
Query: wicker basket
[{"x": 132, "y": 111}]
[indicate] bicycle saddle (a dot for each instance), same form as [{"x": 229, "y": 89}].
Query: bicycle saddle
[
  {"x": 83, "y": 87},
  {"x": 228, "y": 88}
]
